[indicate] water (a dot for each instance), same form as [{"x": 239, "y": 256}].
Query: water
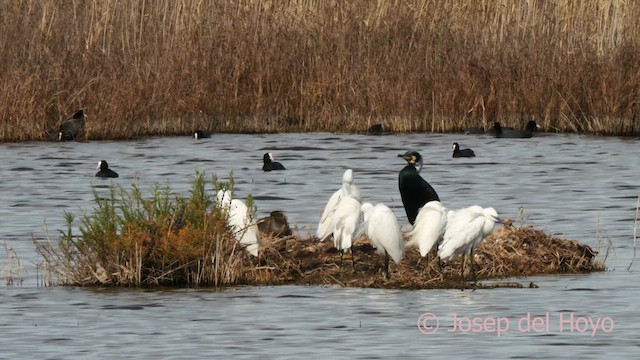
[{"x": 577, "y": 187}]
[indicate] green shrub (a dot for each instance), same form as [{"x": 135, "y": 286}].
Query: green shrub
[{"x": 164, "y": 239}]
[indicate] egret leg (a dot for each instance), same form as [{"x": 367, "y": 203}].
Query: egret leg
[
  {"x": 473, "y": 269},
  {"x": 464, "y": 258},
  {"x": 353, "y": 259},
  {"x": 341, "y": 257},
  {"x": 386, "y": 265}
]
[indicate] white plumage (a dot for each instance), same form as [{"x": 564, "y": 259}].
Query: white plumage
[
  {"x": 345, "y": 219},
  {"x": 326, "y": 226},
  {"x": 382, "y": 228},
  {"x": 429, "y": 227},
  {"x": 239, "y": 219},
  {"x": 466, "y": 228}
]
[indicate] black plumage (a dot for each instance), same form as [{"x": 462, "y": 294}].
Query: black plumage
[
  {"x": 73, "y": 127},
  {"x": 375, "y": 129},
  {"x": 474, "y": 130},
  {"x": 414, "y": 190},
  {"x": 201, "y": 134},
  {"x": 457, "y": 152},
  {"x": 504, "y": 132},
  {"x": 268, "y": 163},
  {"x": 105, "y": 172}
]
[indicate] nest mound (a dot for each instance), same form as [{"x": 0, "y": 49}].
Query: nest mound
[{"x": 508, "y": 252}]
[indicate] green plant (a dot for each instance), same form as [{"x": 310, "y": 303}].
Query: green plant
[{"x": 163, "y": 239}]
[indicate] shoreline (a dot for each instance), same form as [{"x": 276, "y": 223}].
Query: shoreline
[{"x": 97, "y": 137}]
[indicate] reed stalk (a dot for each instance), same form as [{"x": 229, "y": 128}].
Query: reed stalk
[
  {"x": 635, "y": 234},
  {"x": 166, "y": 67},
  {"x": 13, "y": 271}
]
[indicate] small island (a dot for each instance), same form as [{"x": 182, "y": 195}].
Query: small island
[{"x": 136, "y": 240}]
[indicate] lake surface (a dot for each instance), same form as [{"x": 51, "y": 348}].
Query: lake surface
[{"x": 577, "y": 187}]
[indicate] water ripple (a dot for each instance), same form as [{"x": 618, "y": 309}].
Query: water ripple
[{"x": 578, "y": 186}]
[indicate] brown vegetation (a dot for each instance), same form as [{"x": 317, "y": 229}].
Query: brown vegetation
[
  {"x": 508, "y": 252},
  {"x": 168, "y": 67}
]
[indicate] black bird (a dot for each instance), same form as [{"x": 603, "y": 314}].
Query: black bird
[
  {"x": 414, "y": 190},
  {"x": 495, "y": 130},
  {"x": 532, "y": 125},
  {"x": 457, "y": 152},
  {"x": 474, "y": 130},
  {"x": 504, "y": 132},
  {"x": 276, "y": 224},
  {"x": 269, "y": 164},
  {"x": 201, "y": 134},
  {"x": 105, "y": 172},
  {"x": 71, "y": 128},
  {"x": 375, "y": 129}
]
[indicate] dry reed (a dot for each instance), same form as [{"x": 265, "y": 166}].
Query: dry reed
[
  {"x": 508, "y": 252},
  {"x": 13, "y": 271},
  {"x": 168, "y": 67}
]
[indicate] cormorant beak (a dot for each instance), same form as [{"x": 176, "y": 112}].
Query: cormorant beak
[{"x": 407, "y": 158}]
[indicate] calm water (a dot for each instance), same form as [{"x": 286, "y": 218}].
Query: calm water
[{"x": 577, "y": 187}]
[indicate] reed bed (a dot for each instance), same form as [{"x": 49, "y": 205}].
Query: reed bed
[
  {"x": 166, "y": 239},
  {"x": 168, "y": 67}
]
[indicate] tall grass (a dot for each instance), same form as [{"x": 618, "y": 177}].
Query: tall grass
[
  {"x": 134, "y": 240},
  {"x": 161, "y": 67}
]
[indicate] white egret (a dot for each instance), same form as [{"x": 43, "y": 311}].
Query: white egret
[
  {"x": 325, "y": 226},
  {"x": 382, "y": 228},
  {"x": 239, "y": 219},
  {"x": 466, "y": 228},
  {"x": 414, "y": 190},
  {"x": 429, "y": 227},
  {"x": 345, "y": 220}
]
